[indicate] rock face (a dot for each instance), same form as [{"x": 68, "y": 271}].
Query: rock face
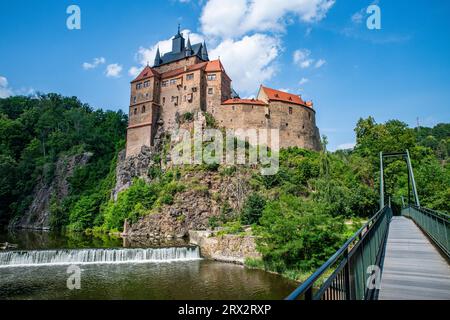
[
  {"x": 206, "y": 196},
  {"x": 136, "y": 166},
  {"x": 228, "y": 248},
  {"x": 37, "y": 216}
]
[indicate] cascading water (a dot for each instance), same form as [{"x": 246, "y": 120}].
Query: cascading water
[{"x": 97, "y": 256}]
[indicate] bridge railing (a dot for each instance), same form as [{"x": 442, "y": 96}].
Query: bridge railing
[
  {"x": 435, "y": 224},
  {"x": 350, "y": 266}
]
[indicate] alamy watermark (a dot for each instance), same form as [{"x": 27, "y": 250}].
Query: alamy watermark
[
  {"x": 228, "y": 146},
  {"x": 373, "y": 22},
  {"x": 73, "y": 21},
  {"x": 74, "y": 280}
]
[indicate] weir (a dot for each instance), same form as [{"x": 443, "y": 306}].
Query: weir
[{"x": 97, "y": 256}]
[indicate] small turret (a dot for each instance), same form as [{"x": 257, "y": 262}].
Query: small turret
[
  {"x": 189, "y": 51},
  {"x": 158, "y": 60},
  {"x": 204, "y": 52}
]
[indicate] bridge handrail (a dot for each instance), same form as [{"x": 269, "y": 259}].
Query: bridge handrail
[
  {"x": 345, "y": 252},
  {"x": 435, "y": 224}
]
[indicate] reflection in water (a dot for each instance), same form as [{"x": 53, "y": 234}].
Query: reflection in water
[
  {"x": 178, "y": 280},
  {"x": 198, "y": 279}
]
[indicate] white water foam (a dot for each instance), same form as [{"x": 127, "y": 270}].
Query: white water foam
[{"x": 96, "y": 256}]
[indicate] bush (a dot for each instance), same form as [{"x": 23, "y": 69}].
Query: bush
[
  {"x": 297, "y": 234},
  {"x": 252, "y": 209}
]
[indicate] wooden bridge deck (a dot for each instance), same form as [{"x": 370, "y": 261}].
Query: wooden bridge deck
[{"x": 413, "y": 267}]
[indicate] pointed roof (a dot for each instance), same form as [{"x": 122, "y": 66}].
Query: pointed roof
[
  {"x": 157, "y": 58},
  {"x": 277, "y": 95},
  {"x": 147, "y": 72},
  {"x": 189, "y": 50},
  {"x": 204, "y": 52}
]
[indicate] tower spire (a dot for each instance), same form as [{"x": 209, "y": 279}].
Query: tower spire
[
  {"x": 204, "y": 52},
  {"x": 189, "y": 50},
  {"x": 157, "y": 58}
]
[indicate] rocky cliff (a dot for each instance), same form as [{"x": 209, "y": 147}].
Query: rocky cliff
[
  {"x": 38, "y": 214},
  {"x": 207, "y": 195}
]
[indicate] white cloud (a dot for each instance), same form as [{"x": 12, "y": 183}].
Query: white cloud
[
  {"x": 134, "y": 71},
  {"x": 113, "y": 70},
  {"x": 303, "y": 81},
  {"x": 320, "y": 63},
  {"x": 5, "y": 91},
  {"x": 249, "y": 61},
  {"x": 302, "y": 58},
  {"x": 357, "y": 17},
  {"x": 284, "y": 89},
  {"x": 346, "y": 146},
  {"x": 229, "y": 19},
  {"x": 94, "y": 64}
]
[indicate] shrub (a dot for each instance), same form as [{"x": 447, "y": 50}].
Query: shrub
[{"x": 252, "y": 209}]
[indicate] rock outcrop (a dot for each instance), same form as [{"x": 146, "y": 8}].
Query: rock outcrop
[
  {"x": 37, "y": 216},
  {"x": 207, "y": 194},
  {"x": 228, "y": 248}
]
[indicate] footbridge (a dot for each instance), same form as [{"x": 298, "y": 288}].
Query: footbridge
[{"x": 403, "y": 257}]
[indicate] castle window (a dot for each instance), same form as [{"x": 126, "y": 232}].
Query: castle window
[
  {"x": 138, "y": 86},
  {"x": 146, "y": 84},
  {"x": 190, "y": 76},
  {"x": 212, "y": 77},
  {"x": 210, "y": 90},
  {"x": 194, "y": 89},
  {"x": 173, "y": 81},
  {"x": 290, "y": 110},
  {"x": 287, "y": 124},
  {"x": 165, "y": 83},
  {"x": 164, "y": 100},
  {"x": 134, "y": 99},
  {"x": 143, "y": 109},
  {"x": 189, "y": 97},
  {"x": 232, "y": 108},
  {"x": 174, "y": 99},
  {"x": 135, "y": 111}
]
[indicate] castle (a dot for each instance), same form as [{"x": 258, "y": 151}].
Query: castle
[{"x": 185, "y": 80}]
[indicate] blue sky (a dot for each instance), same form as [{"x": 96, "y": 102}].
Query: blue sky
[{"x": 320, "y": 49}]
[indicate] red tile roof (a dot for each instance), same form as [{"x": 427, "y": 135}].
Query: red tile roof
[
  {"x": 277, "y": 95},
  {"x": 146, "y": 73},
  {"x": 214, "y": 66},
  {"x": 244, "y": 101}
]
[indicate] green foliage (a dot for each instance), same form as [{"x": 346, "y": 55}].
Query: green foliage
[
  {"x": 253, "y": 208},
  {"x": 37, "y": 131},
  {"x": 297, "y": 234},
  {"x": 210, "y": 120},
  {"x": 140, "y": 199},
  {"x": 187, "y": 117}
]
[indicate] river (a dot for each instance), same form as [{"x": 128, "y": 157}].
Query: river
[{"x": 111, "y": 268}]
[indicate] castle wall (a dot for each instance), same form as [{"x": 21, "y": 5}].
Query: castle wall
[
  {"x": 141, "y": 127},
  {"x": 297, "y": 125},
  {"x": 221, "y": 91},
  {"x": 181, "y": 94}
]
